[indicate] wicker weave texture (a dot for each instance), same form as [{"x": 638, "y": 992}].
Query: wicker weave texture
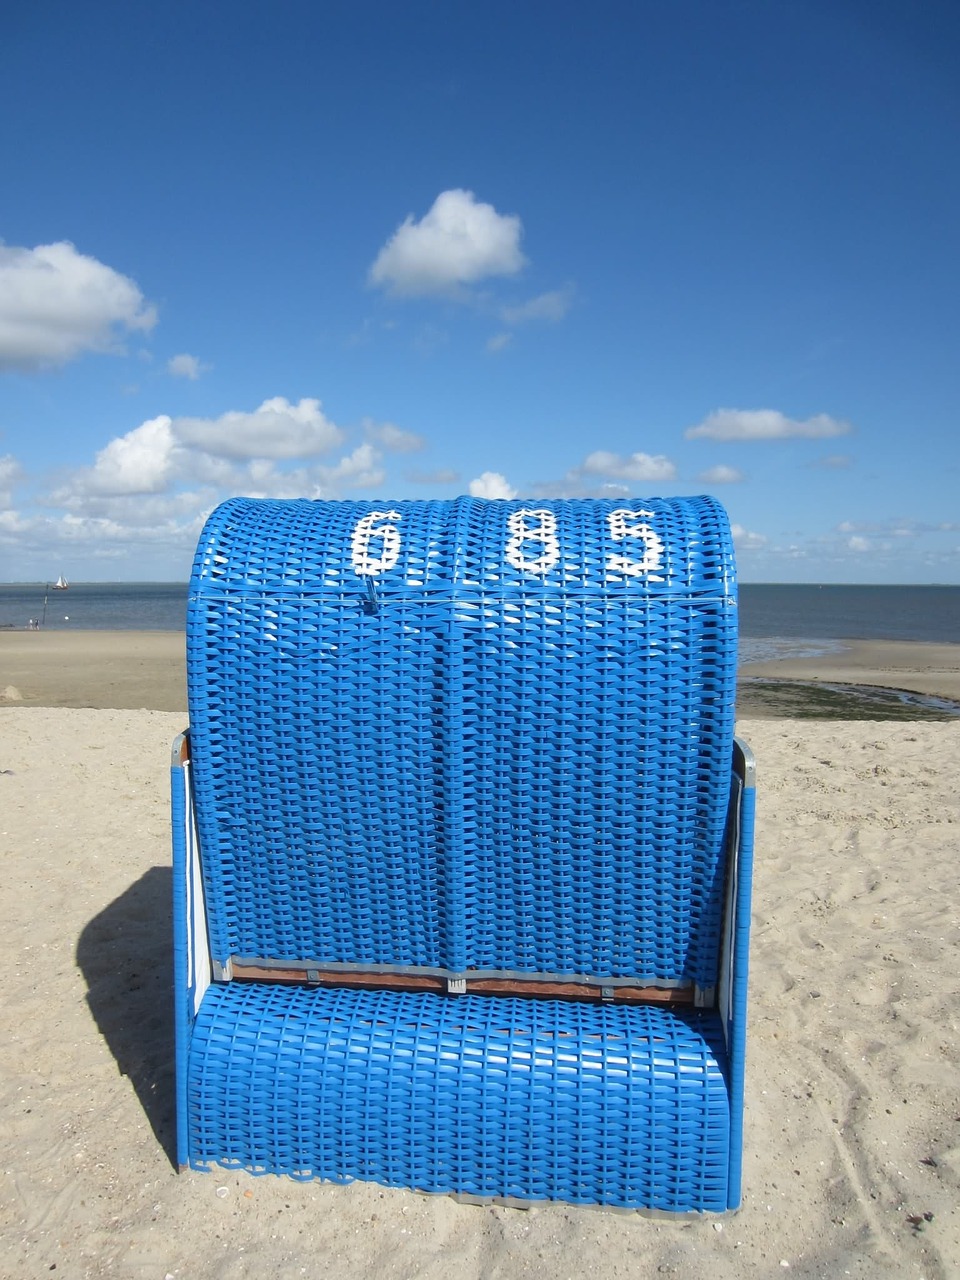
[
  {"x": 465, "y": 735},
  {"x": 534, "y": 1099}
]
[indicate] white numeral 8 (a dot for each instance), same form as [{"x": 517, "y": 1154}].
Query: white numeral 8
[
  {"x": 543, "y": 533},
  {"x": 367, "y": 530},
  {"x": 623, "y": 524}
]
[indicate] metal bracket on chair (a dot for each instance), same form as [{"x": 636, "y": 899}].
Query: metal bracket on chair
[
  {"x": 222, "y": 972},
  {"x": 372, "y": 601},
  {"x": 457, "y": 986}
]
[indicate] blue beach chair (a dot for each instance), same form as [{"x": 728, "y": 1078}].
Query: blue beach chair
[{"x": 462, "y": 850}]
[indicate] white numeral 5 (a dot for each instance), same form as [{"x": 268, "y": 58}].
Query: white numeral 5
[
  {"x": 543, "y": 533},
  {"x": 368, "y": 528},
  {"x": 623, "y": 524}
]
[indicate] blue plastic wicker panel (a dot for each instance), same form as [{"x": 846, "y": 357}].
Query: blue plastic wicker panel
[
  {"x": 465, "y": 735},
  {"x": 535, "y": 1099}
]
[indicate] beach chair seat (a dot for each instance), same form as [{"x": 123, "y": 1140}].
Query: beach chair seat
[{"x": 462, "y": 846}]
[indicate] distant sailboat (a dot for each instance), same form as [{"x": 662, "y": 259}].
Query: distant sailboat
[{"x": 61, "y": 584}]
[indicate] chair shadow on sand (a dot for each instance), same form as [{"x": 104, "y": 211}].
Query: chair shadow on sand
[{"x": 125, "y": 954}]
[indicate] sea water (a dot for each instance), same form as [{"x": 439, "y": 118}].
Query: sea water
[
  {"x": 96, "y": 606},
  {"x": 776, "y": 621},
  {"x": 801, "y": 621}
]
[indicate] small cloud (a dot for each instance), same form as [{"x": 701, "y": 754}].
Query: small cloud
[
  {"x": 639, "y": 468},
  {"x": 184, "y": 366},
  {"x": 833, "y": 462},
  {"x": 460, "y": 241},
  {"x": 443, "y": 475},
  {"x": 358, "y": 470},
  {"x": 765, "y": 424},
  {"x": 491, "y": 484},
  {"x": 393, "y": 438},
  {"x": 11, "y": 524},
  {"x": 278, "y": 429},
  {"x": 603, "y": 474},
  {"x": 552, "y": 306},
  {"x": 499, "y": 341},
  {"x": 56, "y": 303},
  {"x": 744, "y": 540},
  {"x": 574, "y": 486},
  {"x": 10, "y": 473},
  {"x": 896, "y": 527},
  {"x": 721, "y": 474},
  {"x": 856, "y": 543}
]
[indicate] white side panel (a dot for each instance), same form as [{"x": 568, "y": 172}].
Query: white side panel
[{"x": 198, "y": 950}]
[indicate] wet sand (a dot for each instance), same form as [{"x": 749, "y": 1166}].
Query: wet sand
[
  {"x": 123, "y": 670},
  {"x": 891, "y": 664},
  {"x": 923, "y": 680}
]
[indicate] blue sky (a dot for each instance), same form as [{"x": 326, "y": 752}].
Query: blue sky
[{"x": 516, "y": 249}]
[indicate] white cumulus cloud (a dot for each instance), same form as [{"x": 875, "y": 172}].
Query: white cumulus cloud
[
  {"x": 139, "y": 462},
  {"x": 460, "y": 241},
  {"x": 278, "y": 429},
  {"x": 186, "y": 366},
  {"x": 491, "y": 484},
  {"x": 56, "y": 303},
  {"x": 765, "y": 424},
  {"x": 158, "y": 466}
]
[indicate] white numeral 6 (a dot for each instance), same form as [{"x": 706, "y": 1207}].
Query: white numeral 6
[{"x": 371, "y": 529}]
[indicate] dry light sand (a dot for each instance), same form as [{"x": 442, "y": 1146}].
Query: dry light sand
[{"x": 852, "y": 1145}]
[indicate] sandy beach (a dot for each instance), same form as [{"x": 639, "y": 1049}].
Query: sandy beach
[
  {"x": 852, "y": 1146},
  {"x": 124, "y": 670},
  {"x": 130, "y": 670}
]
